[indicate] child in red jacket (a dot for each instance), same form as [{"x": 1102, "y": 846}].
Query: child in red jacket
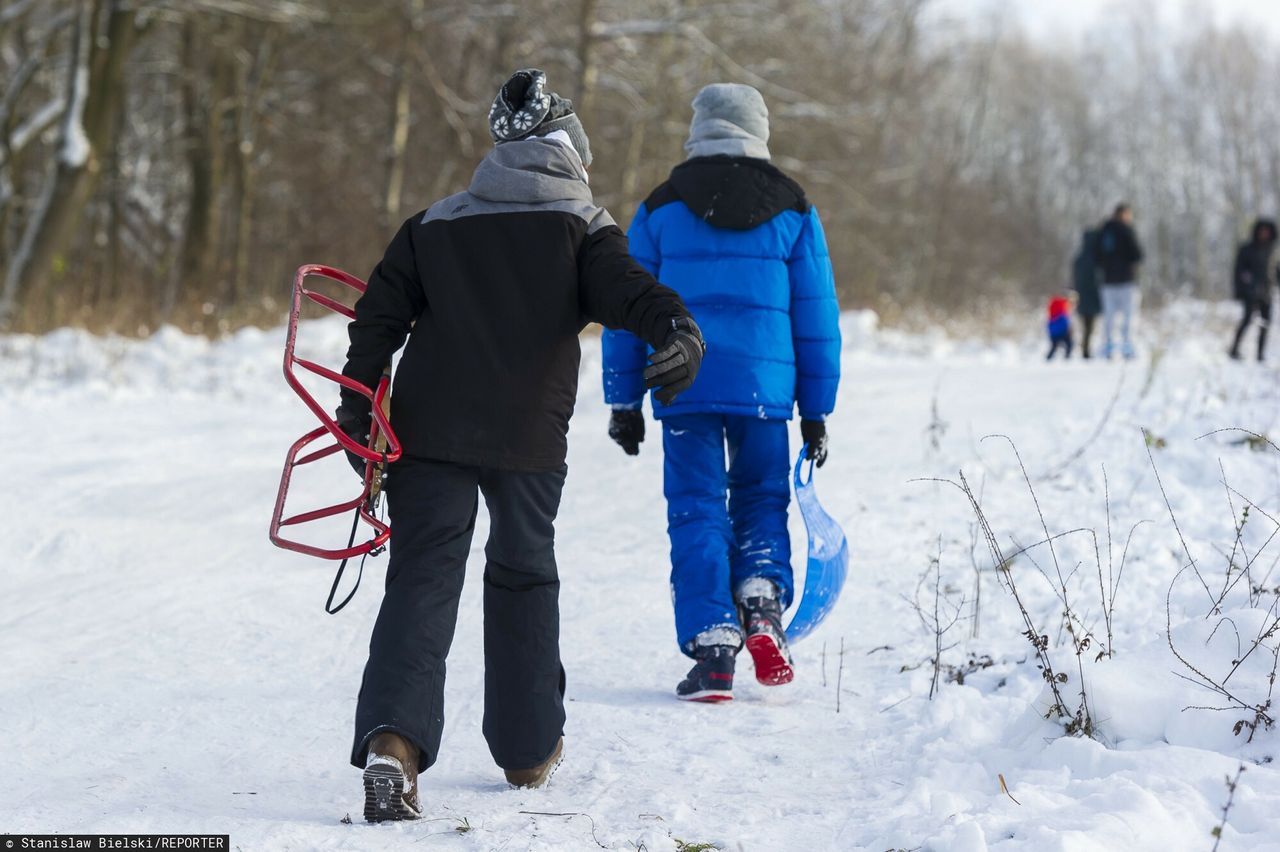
[{"x": 1059, "y": 325}]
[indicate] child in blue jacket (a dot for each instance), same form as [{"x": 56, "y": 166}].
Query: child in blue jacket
[{"x": 739, "y": 242}]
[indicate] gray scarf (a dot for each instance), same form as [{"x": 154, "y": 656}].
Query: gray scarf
[{"x": 531, "y": 170}]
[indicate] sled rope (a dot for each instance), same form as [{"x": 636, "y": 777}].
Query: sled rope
[{"x": 342, "y": 566}]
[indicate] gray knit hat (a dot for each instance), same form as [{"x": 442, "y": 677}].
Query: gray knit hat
[
  {"x": 729, "y": 118},
  {"x": 524, "y": 107}
]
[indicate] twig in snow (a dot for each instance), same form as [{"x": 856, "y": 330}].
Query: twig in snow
[
  {"x": 1083, "y": 718},
  {"x": 1115, "y": 587},
  {"x": 1232, "y": 783},
  {"x": 1039, "y": 641},
  {"x": 1254, "y": 591},
  {"x": 1270, "y": 625},
  {"x": 1153, "y": 367},
  {"x": 933, "y": 621},
  {"x": 977, "y": 570},
  {"x": 1261, "y": 711},
  {"x": 1185, "y": 549},
  {"x": 1093, "y": 436},
  {"x": 1107, "y": 608},
  {"x": 937, "y": 428},
  {"x": 570, "y": 814},
  {"x": 839, "y": 674},
  {"x": 1252, "y": 440},
  {"x": 1004, "y": 788}
]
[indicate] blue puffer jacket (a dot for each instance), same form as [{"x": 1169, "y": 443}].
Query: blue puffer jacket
[{"x": 738, "y": 241}]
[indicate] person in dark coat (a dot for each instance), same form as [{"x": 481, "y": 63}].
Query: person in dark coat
[
  {"x": 1084, "y": 271},
  {"x": 1119, "y": 255},
  {"x": 1254, "y": 279},
  {"x": 491, "y": 287},
  {"x": 740, "y": 242}
]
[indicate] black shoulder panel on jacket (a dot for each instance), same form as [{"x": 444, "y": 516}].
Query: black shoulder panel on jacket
[
  {"x": 663, "y": 195},
  {"x": 738, "y": 193}
]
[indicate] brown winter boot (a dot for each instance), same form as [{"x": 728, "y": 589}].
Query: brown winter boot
[
  {"x": 391, "y": 779},
  {"x": 538, "y": 775}
]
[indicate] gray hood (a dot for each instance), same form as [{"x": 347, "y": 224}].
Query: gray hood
[
  {"x": 531, "y": 171},
  {"x": 530, "y": 175},
  {"x": 729, "y": 119}
]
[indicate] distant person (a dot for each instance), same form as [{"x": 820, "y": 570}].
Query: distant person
[
  {"x": 1118, "y": 256},
  {"x": 1084, "y": 272},
  {"x": 740, "y": 243},
  {"x": 1059, "y": 326},
  {"x": 1255, "y": 277}
]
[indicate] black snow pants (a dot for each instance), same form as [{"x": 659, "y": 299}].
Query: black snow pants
[
  {"x": 1252, "y": 307},
  {"x": 1087, "y": 323},
  {"x": 432, "y": 508}
]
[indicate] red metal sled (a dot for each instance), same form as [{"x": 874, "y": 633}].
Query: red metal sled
[{"x": 365, "y": 503}]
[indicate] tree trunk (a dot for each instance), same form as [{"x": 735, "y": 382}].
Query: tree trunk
[
  {"x": 202, "y": 132},
  {"x": 586, "y": 56},
  {"x": 250, "y": 81},
  {"x": 103, "y": 36},
  {"x": 401, "y": 115}
]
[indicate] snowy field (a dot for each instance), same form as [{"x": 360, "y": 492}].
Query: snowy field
[{"x": 167, "y": 669}]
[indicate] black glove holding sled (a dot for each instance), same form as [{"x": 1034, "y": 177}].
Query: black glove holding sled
[
  {"x": 626, "y": 428},
  {"x": 673, "y": 368},
  {"x": 814, "y": 433},
  {"x": 356, "y": 426}
]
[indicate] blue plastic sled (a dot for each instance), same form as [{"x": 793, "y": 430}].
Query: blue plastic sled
[{"x": 828, "y": 558}]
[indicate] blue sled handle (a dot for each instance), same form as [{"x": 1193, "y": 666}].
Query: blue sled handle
[
  {"x": 803, "y": 477},
  {"x": 828, "y": 557}
]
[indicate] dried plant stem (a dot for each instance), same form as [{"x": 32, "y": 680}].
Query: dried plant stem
[
  {"x": 1191, "y": 560},
  {"x": 839, "y": 674},
  {"x": 1093, "y": 436},
  {"x": 1039, "y": 641},
  {"x": 1232, "y": 783},
  {"x": 1083, "y": 718}
]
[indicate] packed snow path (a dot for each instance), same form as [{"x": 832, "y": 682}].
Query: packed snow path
[{"x": 166, "y": 669}]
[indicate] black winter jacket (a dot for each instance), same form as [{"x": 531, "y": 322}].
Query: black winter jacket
[
  {"x": 1255, "y": 272},
  {"x": 1084, "y": 271},
  {"x": 1118, "y": 253},
  {"x": 492, "y": 287}
]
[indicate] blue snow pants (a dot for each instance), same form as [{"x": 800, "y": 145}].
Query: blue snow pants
[{"x": 727, "y": 524}]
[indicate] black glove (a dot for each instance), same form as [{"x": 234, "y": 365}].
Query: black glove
[
  {"x": 814, "y": 433},
  {"x": 673, "y": 368},
  {"x": 356, "y": 425},
  {"x": 626, "y": 428}
]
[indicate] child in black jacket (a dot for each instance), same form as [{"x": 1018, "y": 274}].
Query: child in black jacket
[{"x": 491, "y": 287}]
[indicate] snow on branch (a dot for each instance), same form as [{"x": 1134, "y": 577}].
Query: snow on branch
[
  {"x": 40, "y": 121},
  {"x": 75, "y": 148},
  {"x": 27, "y": 68}
]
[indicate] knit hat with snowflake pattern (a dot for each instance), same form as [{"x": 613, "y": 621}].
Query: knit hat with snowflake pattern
[{"x": 525, "y": 108}]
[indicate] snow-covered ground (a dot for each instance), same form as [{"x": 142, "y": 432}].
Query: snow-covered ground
[{"x": 167, "y": 669}]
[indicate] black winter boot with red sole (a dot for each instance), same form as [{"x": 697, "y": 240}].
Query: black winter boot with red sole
[
  {"x": 711, "y": 678},
  {"x": 766, "y": 640}
]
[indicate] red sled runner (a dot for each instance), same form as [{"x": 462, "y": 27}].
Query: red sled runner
[{"x": 383, "y": 448}]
